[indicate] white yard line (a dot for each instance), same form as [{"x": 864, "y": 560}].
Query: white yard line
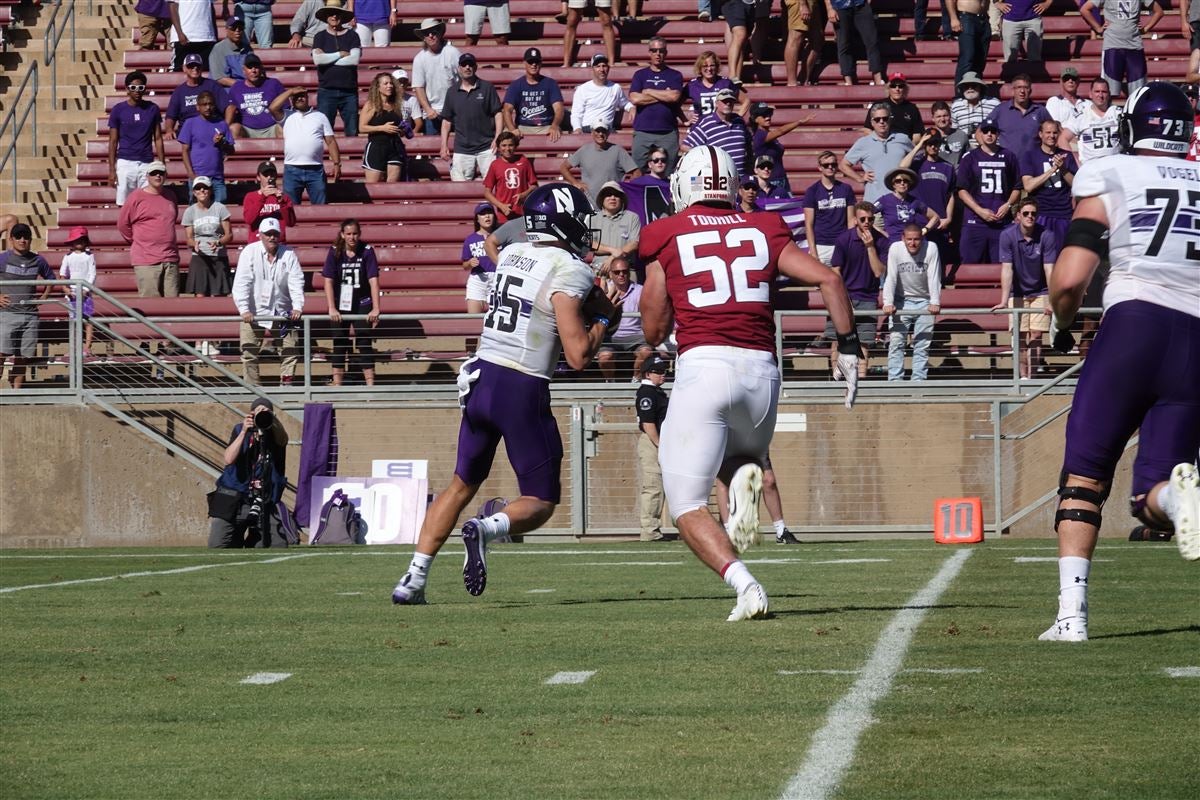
[
  {"x": 177, "y": 571},
  {"x": 911, "y": 671},
  {"x": 265, "y": 678},
  {"x": 1182, "y": 672},
  {"x": 561, "y": 678},
  {"x": 833, "y": 747}
]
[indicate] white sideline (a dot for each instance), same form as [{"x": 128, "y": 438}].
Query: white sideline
[
  {"x": 833, "y": 747},
  {"x": 1182, "y": 672},
  {"x": 265, "y": 678},
  {"x": 197, "y": 568},
  {"x": 561, "y": 678}
]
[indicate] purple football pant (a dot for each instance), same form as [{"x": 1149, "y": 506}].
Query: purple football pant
[
  {"x": 979, "y": 243},
  {"x": 1143, "y": 371},
  {"x": 510, "y": 405}
]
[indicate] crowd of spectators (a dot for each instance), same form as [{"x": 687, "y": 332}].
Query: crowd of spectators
[{"x": 956, "y": 169}]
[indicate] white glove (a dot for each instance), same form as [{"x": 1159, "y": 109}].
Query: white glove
[
  {"x": 466, "y": 377},
  {"x": 846, "y": 369}
]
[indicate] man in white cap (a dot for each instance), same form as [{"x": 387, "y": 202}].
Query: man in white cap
[
  {"x": 268, "y": 283},
  {"x": 434, "y": 70}
]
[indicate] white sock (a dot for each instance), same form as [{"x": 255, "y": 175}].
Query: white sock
[
  {"x": 1072, "y": 585},
  {"x": 419, "y": 569},
  {"x": 780, "y": 527},
  {"x": 1168, "y": 500},
  {"x": 494, "y": 526},
  {"x": 737, "y": 576}
]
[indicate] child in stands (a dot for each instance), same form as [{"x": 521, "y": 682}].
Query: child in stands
[{"x": 80, "y": 264}]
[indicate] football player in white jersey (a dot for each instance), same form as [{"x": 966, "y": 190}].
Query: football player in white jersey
[
  {"x": 544, "y": 301},
  {"x": 1143, "y": 371}
]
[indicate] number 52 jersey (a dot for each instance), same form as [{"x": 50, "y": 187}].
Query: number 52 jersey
[
  {"x": 1153, "y": 207},
  {"x": 519, "y": 330},
  {"x": 720, "y": 267}
]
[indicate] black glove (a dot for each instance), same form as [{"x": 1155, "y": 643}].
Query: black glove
[{"x": 1064, "y": 341}]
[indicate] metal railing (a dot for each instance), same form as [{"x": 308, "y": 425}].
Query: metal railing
[
  {"x": 14, "y": 125},
  {"x": 55, "y": 28}
]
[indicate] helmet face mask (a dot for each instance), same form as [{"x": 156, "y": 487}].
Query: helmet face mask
[
  {"x": 704, "y": 174},
  {"x": 559, "y": 213},
  {"x": 1157, "y": 117}
]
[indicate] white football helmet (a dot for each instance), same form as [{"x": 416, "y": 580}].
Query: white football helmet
[{"x": 704, "y": 174}]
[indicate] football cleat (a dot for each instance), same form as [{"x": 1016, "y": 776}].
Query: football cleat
[
  {"x": 744, "y": 492},
  {"x": 751, "y": 604},
  {"x": 1070, "y": 626},
  {"x": 406, "y": 594},
  {"x": 475, "y": 563},
  {"x": 786, "y": 538},
  {"x": 1185, "y": 481}
]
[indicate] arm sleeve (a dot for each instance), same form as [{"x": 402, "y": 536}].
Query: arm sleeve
[
  {"x": 320, "y": 58},
  {"x": 352, "y": 59}
]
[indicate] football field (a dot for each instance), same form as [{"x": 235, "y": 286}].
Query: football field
[{"x": 888, "y": 669}]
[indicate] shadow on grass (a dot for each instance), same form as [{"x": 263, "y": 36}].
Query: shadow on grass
[{"x": 1154, "y": 632}]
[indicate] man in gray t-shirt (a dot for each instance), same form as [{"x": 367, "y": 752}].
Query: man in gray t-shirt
[
  {"x": 1123, "y": 58},
  {"x": 600, "y": 162}
]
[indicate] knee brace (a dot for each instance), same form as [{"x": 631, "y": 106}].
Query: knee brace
[{"x": 1085, "y": 515}]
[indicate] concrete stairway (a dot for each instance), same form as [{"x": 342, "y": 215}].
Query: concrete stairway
[{"x": 85, "y": 68}]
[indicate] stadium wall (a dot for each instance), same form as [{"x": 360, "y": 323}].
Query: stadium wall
[{"x": 79, "y": 478}]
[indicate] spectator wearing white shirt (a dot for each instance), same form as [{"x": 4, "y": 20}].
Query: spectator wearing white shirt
[
  {"x": 1066, "y": 106},
  {"x": 599, "y": 101},
  {"x": 193, "y": 30},
  {"x": 307, "y": 134},
  {"x": 913, "y": 285},
  {"x": 972, "y": 108},
  {"x": 268, "y": 283},
  {"x": 434, "y": 70},
  {"x": 1095, "y": 127}
]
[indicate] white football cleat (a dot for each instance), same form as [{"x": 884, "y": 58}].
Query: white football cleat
[
  {"x": 745, "y": 490},
  {"x": 751, "y": 604},
  {"x": 1070, "y": 626},
  {"x": 1185, "y": 482}
]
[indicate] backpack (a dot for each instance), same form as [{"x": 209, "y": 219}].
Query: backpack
[
  {"x": 287, "y": 524},
  {"x": 340, "y": 522}
]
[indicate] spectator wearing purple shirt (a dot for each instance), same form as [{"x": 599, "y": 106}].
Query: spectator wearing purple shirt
[
  {"x": 859, "y": 255},
  {"x": 206, "y": 140},
  {"x": 1022, "y": 23},
  {"x": 900, "y": 207},
  {"x": 936, "y": 187},
  {"x": 701, "y": 91},
  {"x": 1027, "y": 255},
  {"x": 989, "y": 183},
  {"x": 649, "y": 196},
  {"x": 656, "y": 92},
  {"x": 249, "y": 111},
  {"x": 351, "y": 274},
  {"x": 134, "y": 138},
  {"x": 1019, "y": 118},
  {"x": 1047, "y": 172},
  {"x": 828, "y": 209},
  {"x": 534, "y": 103},
  {"x": 765, "y": 140},
  {"x": 724, "y": 129},
  {"x": 154, "y": 18},
  {"x": 182, "y": 105}
]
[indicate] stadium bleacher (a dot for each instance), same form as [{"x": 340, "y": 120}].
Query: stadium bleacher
[{"x": 417, "y": 228}]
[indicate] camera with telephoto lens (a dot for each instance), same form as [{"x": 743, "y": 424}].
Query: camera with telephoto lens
[
  {"x": 257, "y": 503},
  {"x": 263, "y": 421}
]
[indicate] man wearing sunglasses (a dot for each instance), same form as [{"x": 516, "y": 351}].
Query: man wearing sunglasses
[
  {"x": 656, "y": 92},
  {"x": 723, "y": 128},
  {"x": 434, "y": 71},
  {"x": 828, "y": 209},
  {"x": 1028, "y": 251},
  {"x": 906, "y": 117},
  {"x": 184, "y": 99},
  {"x": 336, "y": 51},
  {"x": 134, "y": 138},
  {"x": 18, "y": 314},
  {"x": 872, "y": 157}
]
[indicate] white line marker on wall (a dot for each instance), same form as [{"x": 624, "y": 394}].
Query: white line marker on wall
[
  {"x": 1182, "y": 672},
  {"x": 559, "y": 678},
  {"x": 265, "y": 678},
  {"x": 177, "y": 571},
  {"x": 833, "y": 747}
]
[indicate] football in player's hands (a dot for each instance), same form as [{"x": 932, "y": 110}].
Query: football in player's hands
[
  {"x": 598, "y": 304},
  {"x": 1064, "y": 341}
]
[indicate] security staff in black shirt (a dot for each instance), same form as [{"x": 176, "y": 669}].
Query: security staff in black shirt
[{"x": 651, "y": 411}]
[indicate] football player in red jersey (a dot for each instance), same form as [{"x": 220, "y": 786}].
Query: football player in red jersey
[{"x": 710, "y": 271}]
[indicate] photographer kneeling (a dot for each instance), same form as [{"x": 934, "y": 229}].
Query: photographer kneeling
[{"x": 243, "y": 508}]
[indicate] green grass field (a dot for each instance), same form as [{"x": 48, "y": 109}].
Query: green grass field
[{"x": 130, "y": 686}]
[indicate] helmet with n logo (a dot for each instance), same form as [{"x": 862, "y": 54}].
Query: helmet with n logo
[
  {"x": 705, "y": 174},
  {"x": 1157, "y": 117},
  {"x": 559, "y": 212}
]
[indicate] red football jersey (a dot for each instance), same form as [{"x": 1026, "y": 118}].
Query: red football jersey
[{"x": 720, "y": 267}]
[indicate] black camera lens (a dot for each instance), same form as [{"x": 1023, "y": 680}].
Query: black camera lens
[{"x": 263, "y": 420}]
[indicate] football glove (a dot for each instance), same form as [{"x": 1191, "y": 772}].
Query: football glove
[
  {"x": 1064, "y": 341},
  {"x": 598, "y": 304},
  {"x": 846, "y": 369}
]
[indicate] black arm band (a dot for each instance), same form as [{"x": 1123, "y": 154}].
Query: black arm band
[
  {"x": 848, "y": 342},
  {"x": 1088, "y": 234}
]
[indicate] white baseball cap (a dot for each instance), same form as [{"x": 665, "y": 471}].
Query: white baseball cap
[{"x": 268, "y": 225}]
